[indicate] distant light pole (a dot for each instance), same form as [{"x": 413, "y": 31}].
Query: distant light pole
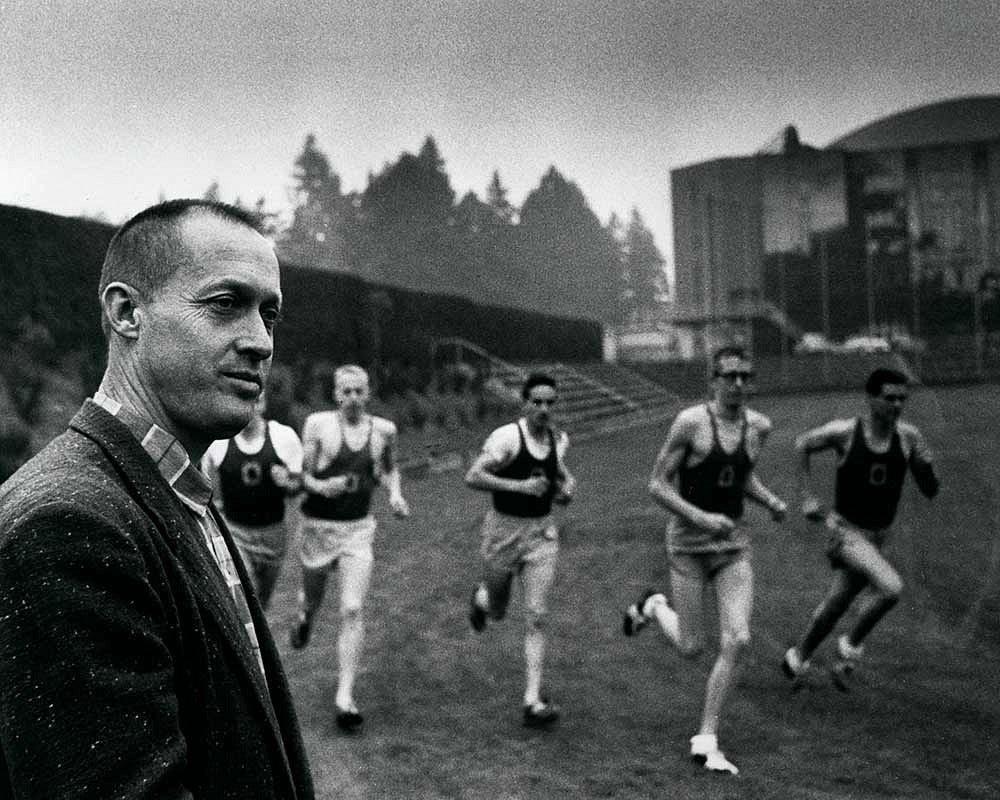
[
  {"x": 709, "y": 276},
  {"x": 870, "y": 248}
]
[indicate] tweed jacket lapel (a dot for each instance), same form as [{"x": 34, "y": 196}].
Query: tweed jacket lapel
[{"x": 184, "y": 538}]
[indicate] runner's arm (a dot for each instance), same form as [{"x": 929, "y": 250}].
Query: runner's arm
[
  {"x": 311, "y": 447},
  {"x": 834, "y": 435},
  {"x": 755, "y": 488},
  {"x": 567, "y": 482},
  {"x": 288, "y": 448},
  {"x": 497, "y": 452},
  {"x": 390, "y": 471},
  {"x": 922, "y": 464},
  {"x": 759, "y": 493}
]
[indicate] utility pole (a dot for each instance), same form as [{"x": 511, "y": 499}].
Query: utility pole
[{"x": 709, "y": 277}]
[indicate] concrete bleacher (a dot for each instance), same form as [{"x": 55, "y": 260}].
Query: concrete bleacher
[{"x": 597, "y": 397}]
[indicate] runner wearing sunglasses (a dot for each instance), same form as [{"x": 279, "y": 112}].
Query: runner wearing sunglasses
[{"x": 702, "y": 475}]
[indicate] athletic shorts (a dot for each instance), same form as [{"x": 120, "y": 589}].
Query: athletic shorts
[
  {"x": 324, "y": 541},
  {"x": 260, "y": 544},
  {"x": 843, "y": 536},
  {"x": 683, "y": 537},
  {"x": 509, "y": 542},
  {"x": 706, "y": 565}
]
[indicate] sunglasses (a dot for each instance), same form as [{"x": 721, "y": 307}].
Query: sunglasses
[
  {"x": 746, "y": 375},
  {"x": 538, "y": 401},
  {"x": 894, "y": 398}
]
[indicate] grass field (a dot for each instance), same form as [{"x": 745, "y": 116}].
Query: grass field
[{"x": 443, "y": 703}]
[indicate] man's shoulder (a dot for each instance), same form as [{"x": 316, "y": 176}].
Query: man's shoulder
[
  {"x": 695, "y": 413},
  {"x": 838, "y": 426},
  {"x": 507, "y": 429},
  {"x": 758, "y": 421},
  {"x": 690, "y": 418},
  {"x": 280, "y": 430},
  {"x": 383, "y": 426},
  {"x": 217, "y": 451},
  {"x": 505, "y": 436},
  {"x": 909, "y": 432},
  {"x": 321, "y": 420},
  {"x": 69, "y": 471}
]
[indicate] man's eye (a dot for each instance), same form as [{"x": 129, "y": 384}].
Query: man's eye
[
  {"x": 224, "y": 302},
  {"x": 271, "y": 316}
]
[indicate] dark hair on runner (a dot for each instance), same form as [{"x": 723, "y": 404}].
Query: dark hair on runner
[
  {"x": 537, "y": 379},
  {"x": 734, "y": 350},
  {"x": 146, "y": 251},
  {"x": 880, "y": 377}
]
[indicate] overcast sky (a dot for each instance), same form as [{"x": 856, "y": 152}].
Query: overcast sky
[{"x": 106, "y": 105}]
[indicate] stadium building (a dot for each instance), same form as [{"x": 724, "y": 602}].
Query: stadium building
[{"x": 887, "y": 227}]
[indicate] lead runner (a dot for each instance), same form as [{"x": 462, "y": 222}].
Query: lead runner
[
  {"x": 874, "y": 453},
  {"x": 711, "y": 451}
]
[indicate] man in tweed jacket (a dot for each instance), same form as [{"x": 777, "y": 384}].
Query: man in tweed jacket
[{"x": 135, "y": 662}]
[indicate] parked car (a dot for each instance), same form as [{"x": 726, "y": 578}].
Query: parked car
[
  {"x": 866, "y": 344},
  {"x": 814, "y": 343},
  {"x": 906, "y": 343}
]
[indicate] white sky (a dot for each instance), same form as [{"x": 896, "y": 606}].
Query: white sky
[{"x": 104, "y": 105}]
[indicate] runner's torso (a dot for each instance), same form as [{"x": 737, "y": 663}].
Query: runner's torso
[
  {"x": 716, "y": 483},
  {"x": 524, "y": 465},
  {"x": 359, "y": 466},
  {"x": 249, "y": 494},
  {"x": 869, "y": 483}
]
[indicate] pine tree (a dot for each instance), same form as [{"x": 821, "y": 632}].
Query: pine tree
[{"x": 320, "y": 217}]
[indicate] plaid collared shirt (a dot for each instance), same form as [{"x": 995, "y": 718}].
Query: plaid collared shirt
[{"x": 195, "y": 492}]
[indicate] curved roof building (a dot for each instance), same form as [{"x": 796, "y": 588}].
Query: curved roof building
[
  {"x": 964, "y": 120},
  {"x": 885, "y": 226}
]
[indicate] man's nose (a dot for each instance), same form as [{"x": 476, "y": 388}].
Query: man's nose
[{"x": 255, "y": 339}]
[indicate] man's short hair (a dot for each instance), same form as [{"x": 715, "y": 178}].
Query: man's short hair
[
  {"x": 730, "y": 350},
  {"x": 536, "y": 379},
  {"x": 145, "y": 252},
  {"x": 346, "y": 370},
  {"x": 880, "y": 377}
]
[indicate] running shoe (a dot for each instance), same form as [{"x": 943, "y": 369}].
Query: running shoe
[
  {"x": 349, "y": 720},
  {"x": 300, "y": 633},
  {"x": 634, "y": 620},
  {"x": 477, "y": 615},
  {"x": 705, "y": 751},
  {"x": 792, "y": 664},
  {"x": 541, "y": 714},
  {"x": 842, "y": 671}
]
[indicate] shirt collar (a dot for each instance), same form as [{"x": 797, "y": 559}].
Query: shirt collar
[{"x": 170, "y": 457}]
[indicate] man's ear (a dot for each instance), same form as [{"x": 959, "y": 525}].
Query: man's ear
[{"x": 120, "y": 304}]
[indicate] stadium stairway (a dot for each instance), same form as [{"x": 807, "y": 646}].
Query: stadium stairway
[{"x": 596, "y": 398}]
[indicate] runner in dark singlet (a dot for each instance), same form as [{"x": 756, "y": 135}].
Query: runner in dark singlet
[
  {"x": 253, "y": 473},
  {"x": 521, "y": 464},
  {"x": 702, "y": 475},
  {"x": 875, "y": 453},
  {"x": 347, "y": 454}
]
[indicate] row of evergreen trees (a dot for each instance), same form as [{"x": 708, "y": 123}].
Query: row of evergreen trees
[{"x": 406, "y": 229}]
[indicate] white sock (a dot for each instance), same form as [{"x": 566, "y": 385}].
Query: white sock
[
  {"x": 656, "y": 606},
  {"x": 534, "y": 653},
  {"x": 704, "y": 743},
  {"x": 482, "y": 597}
]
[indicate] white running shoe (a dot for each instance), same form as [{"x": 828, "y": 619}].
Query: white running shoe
[
  {"x": 717, "y": 762},
  {"x": 705, "y": 750},
  {"x": 848, "y": 651},
  {"x": 792, "y": 664},
  {"x": 635, "y": 620}
]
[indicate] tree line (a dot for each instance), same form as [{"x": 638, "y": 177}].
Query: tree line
[{"x": 408, "y": 229}]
